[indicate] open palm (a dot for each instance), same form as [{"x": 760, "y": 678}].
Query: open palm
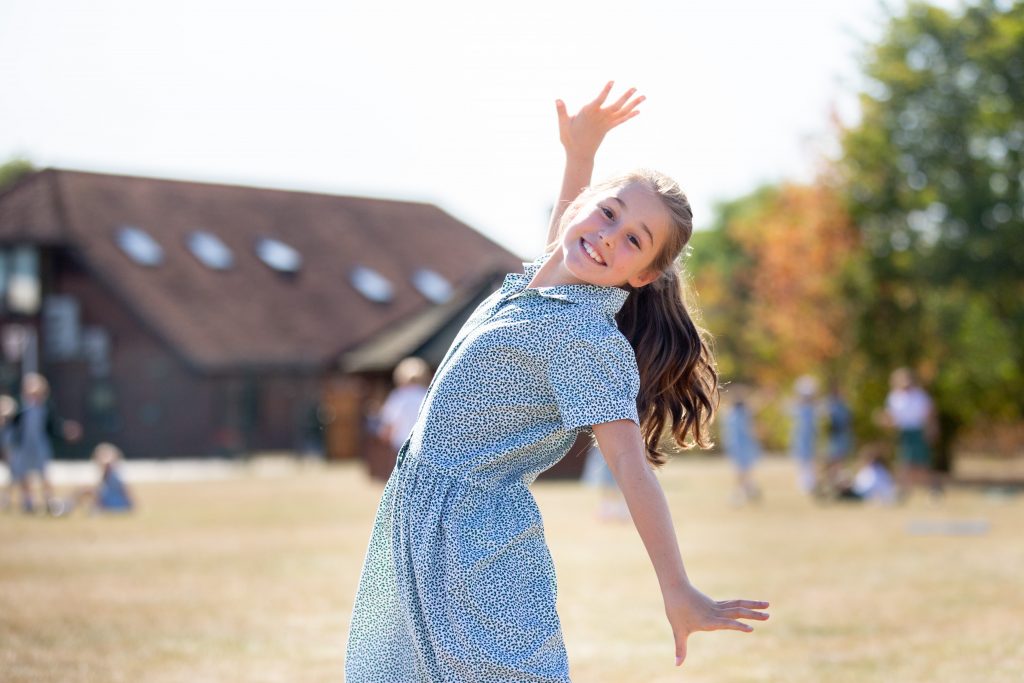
[{"x": 581, "y": 134}]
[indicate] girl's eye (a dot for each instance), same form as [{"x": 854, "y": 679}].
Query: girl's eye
[
  {"x": 634, "y": 240},
  {"x": 607, "y": 212}
]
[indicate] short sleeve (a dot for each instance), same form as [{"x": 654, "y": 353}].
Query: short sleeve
[{"x": 594, "y": 380}]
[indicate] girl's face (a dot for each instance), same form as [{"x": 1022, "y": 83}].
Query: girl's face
[{"x": 615, "y": 237}]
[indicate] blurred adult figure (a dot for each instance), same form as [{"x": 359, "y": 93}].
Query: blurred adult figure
[
  {"x": 35, "y": 428},
  {"x": 804, "y": 434},
  {"x": 910, "y": 411},
  {"x": 739, "y": 438},
  {"x": 399, "y": 412}
]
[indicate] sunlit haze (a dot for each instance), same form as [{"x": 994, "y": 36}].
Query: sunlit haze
[{"x": 445, "y": 102}]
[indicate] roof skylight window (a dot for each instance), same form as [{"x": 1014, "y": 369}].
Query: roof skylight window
[
  {"x": 139, "y": 246},
  {"x": 210, "y": 250},
  {"x": 278, "y": 255},
  {"x": 372, "y": 284},
  {"x": 432, "y": 285}
]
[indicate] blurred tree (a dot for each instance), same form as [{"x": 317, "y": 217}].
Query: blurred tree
[
  {"x": 14, "y": 170},
  {"x": 719, "y": 266},
  {"x": 800, "y": 244},
  {"x": 772, "y": 276},
  {"x": 936, "y": 187}
]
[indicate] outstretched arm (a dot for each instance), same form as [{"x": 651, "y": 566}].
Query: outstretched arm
[
  {"x": 688, "y": 610},
  {"x": 581, "y": 135}
]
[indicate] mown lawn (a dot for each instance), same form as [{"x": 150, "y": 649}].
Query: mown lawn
[{"x": 252, "y": 578}]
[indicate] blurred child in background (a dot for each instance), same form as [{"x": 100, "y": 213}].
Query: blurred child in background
[
  {"x": 398, "y": 414},
  {"x": 804, "y": 437},
  {"x": 873, "y": 482},
  {"x": 739, "y": 438},
  {"x": 110, "y": 493},
  {"x": 612, "y": 506},
  {"x": 34, "y": 430}
]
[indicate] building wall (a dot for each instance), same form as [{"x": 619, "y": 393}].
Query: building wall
[{"x": 150, "y": 402}]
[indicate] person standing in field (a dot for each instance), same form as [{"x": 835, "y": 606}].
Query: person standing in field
[
  {"x": 35, "y": 429},
  {"x": 803, "y": 442},
  {"x": 458, "y": 583},
  {"x": 398, "y": 414},
  {"x": 739, "y": 438},
  {"x": 909, "y": 410}
]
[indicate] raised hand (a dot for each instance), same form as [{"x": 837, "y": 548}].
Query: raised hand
[
  {"x": 581, "y": 134},
  {"x": 689, "y": 610}
]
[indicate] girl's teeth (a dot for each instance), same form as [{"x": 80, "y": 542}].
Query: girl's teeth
[{"x": 592, "y": 253}]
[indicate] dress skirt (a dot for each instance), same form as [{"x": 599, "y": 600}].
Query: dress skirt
[{"x": 458, "y": 586}]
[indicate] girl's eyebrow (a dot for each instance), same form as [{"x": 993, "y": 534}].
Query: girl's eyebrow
[{"x": 642, "y": 225}]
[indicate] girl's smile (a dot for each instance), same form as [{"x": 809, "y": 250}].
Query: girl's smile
[{"x": 591, "y": 252}]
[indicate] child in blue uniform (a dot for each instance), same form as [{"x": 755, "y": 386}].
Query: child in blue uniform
[
  {"x": 739, "y": 437},
  {"x": 803, "y": 440},
  {"x": 458, "y": 584},
  {"x": 110, "y": 493},
  {"x": 33, "y": 431}
]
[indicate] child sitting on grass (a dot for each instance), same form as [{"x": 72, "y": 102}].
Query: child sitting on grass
[{"x": 110, "y": 493}]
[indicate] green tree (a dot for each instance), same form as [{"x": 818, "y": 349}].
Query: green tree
[
  {"x": 14, "y": 170},
  {"x": 936, "y": 187}
]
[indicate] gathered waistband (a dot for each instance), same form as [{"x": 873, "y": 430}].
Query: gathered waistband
[
  {"x": 408, "y": 463},
  {"x": 411, "y": 464}
]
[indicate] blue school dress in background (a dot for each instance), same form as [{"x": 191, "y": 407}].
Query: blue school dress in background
[
  {"x": 803, "y": 442},
  {"x": 112, "y": 494},
  {"x": 458, "y": 584},
  {"x": 739, "y": 438},
  {"x": 596, "y": 472},
  {"x": 31, "y": 433}
]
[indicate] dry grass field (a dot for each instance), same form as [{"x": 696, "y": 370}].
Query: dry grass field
[{"x": 252, "y": 578}]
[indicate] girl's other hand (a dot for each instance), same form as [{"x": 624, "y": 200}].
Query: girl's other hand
[
  {"x": 689, "y": 610},
  {"x": 581, "y": 134}
]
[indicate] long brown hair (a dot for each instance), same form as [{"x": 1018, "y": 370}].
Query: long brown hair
[{"x": 678, "y": 377}]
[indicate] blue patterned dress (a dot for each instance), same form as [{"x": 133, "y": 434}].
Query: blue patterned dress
[{"x": 458, "y": 584}]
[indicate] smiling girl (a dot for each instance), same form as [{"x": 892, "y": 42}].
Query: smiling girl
[{"x": 458, "y": 583}]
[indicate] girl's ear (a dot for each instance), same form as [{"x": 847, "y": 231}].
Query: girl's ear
[{"x": 644, "y": 278}]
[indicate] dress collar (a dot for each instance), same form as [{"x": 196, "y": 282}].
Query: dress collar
[{"x": 607, "y": 299}]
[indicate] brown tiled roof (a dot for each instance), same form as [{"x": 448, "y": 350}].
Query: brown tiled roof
[
  {"x": 31, "y": 211},
  {"x": 250, "y": 315}
]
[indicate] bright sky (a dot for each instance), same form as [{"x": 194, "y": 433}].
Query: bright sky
[{"x": 449, "y": 102}]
